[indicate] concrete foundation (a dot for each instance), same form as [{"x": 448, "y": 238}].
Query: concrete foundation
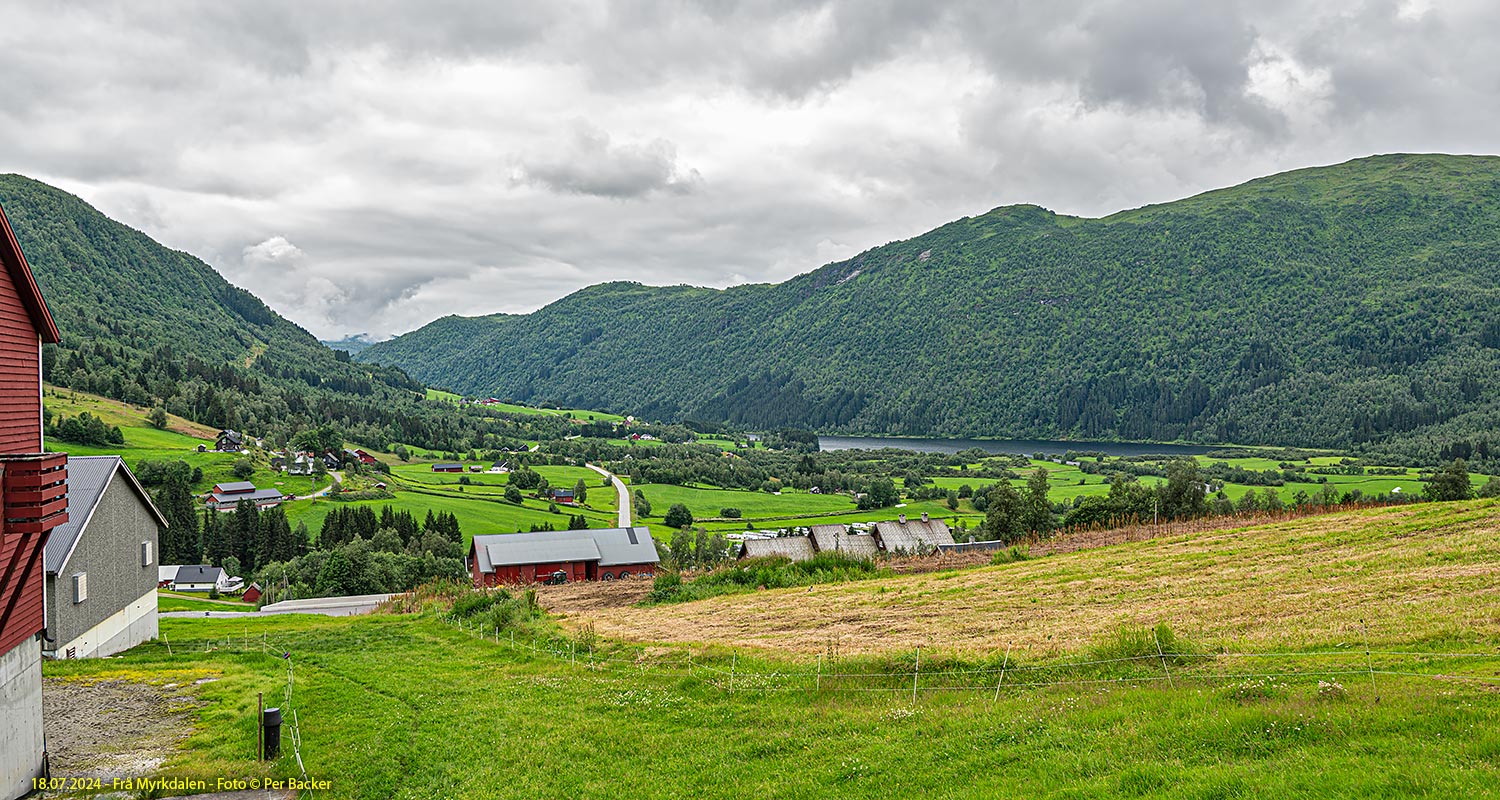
[
  {"x": 20, "y": 719},
  {"x": 126, "y": 628}
]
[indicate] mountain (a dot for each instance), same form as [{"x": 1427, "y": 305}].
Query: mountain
[
  {"x": 353, "y": 345},
  {"x": 153, "y": 326},
  {"x": 1344, "y": 306}
]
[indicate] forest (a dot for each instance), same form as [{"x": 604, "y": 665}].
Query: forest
[{"x": 1351, "y": 307}]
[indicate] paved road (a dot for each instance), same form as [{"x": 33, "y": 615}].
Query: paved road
[
  {"x": 338, "y": 478},
  {"x": 620, "y": 490},
  {"x": 327, "y": 606}
]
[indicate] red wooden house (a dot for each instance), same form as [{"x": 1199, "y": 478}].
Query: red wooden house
[{"x": 33, "y": 501}]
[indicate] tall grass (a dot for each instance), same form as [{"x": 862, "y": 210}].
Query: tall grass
[{"x": 770, "y": 572}]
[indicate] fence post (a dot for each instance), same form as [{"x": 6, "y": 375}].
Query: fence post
[
  {"x": 1163, "y": 657},
  {"x": 733, "y": 667},
  {"x": 1370, "y": 661},
  {"x": 819, "y": 686},
  {"x": 1003, "y": 665},
  {"x": 168, "y": 643},
  {"x": 915, "y": 671}
]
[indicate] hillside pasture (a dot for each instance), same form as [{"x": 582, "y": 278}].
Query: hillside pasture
[{"x": 1422, "y": 572}]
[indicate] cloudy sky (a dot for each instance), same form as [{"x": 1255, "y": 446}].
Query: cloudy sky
[{"x": 368, "y": 167}]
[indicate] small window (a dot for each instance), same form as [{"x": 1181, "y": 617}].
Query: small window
[
  {"x": 145, "y": 554},
  {"x": 80, "y": 587}
]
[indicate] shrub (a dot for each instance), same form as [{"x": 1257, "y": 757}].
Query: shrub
[
  {"x": 731, "y": 513},
  {"x": 1010, "y": 554}
]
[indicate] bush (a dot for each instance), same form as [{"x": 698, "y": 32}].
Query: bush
[
  {"x": 678, "y": 516},
  {"x": 513, "y": 495},
  {"x": 1010, "y": 555},
  {"x": 731, "y": 513},
  {"x": 243, "y": 468}
]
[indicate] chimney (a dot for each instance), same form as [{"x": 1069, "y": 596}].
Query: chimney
[
  {"x": 924, "y": 516},
  {"x": 902, "y": 518}
]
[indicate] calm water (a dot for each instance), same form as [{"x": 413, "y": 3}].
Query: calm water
[{"x": 1020, "y": 446}]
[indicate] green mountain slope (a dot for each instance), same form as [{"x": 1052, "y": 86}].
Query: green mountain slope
[
  {"x": 1352, "y": 306},
  {"x": 153, "y": 326}
]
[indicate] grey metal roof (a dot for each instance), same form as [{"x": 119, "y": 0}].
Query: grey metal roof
[
  {"x": 611, "y": 546},
  {"x": 88, "y": 477},
  {"x": 198, "y": 573},
  {"x": 797, "y": 548},
  {"x": 234, "y": 486},
  {"x": 258, "y": 494},
  {"x": 537, "y": 552}
]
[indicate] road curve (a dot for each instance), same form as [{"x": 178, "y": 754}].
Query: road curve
[{"x": 620, "y": 490}]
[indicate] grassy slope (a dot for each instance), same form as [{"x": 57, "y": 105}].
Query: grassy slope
[
  {"x": 409, "y": 707},
  {"x": 1413, "y": 573}
]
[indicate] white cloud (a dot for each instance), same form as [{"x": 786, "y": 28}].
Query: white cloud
[{"x": 370, "y": 172}]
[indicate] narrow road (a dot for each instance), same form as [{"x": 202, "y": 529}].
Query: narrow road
[
  {"x": 338, "y": 478},
  {"x": 619, "y": 490}
]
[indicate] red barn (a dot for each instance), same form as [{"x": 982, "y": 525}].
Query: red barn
[
  {"x": 593, "y": 555},
  {"x": 33, "y": 501}
]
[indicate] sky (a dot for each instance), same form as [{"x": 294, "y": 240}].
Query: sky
[{"x": 368, "y": 167}]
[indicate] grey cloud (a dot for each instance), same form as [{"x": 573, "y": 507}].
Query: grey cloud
[
  {"x": 425, "y": 159},
  {"x": 592, "y": 165}
]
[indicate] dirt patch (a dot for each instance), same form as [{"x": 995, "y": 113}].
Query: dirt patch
[{"x": 112, "y": 728}]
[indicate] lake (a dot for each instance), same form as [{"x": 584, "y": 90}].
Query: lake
[{"x": 1016, "y": 446}]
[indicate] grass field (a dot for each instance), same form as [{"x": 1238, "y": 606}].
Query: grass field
[
  {"x": 169, "y": 602},
  {"x": 479, "y": 514},
  {"x": 412, "y": 707},
  {"x": 1413, "y": 573},
  {"x": 179, "y": 442}
]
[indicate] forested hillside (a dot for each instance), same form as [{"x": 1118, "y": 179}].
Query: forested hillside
[
  {"x": 157, "y": 327},
  {"x": 1348, "y": 306}
]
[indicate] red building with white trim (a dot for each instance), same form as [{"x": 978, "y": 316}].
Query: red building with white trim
[{"x": 33, "y": 501}]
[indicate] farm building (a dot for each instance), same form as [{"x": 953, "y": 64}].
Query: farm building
[
  {"x": 838, "y": 539},
  {"x": 588, "y": 555},
  {"x": 226, "y": 496},
  {"x": 101, "y": 563},
  {"x": 197, "y": 578},
  {"x": 34, "y": 495},
  {"x": 911, "y": 536},
  {"x": 230, "y": 441},
  {"x": 561, "y": 495},
  {"x": 447, "y": 467},
  {"x": 252, "y": 593},
  {"x": 166, "y": 574},
  {"x": 797, "y": 548},
  {"x": 893, "y": 537}
]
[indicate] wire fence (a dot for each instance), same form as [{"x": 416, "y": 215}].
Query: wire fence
[
  {"x": 1255, "y": 672},
  {"x": 248, "y": 643}
]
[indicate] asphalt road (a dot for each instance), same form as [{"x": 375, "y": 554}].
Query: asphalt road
[{"x": 620, "y": 490}]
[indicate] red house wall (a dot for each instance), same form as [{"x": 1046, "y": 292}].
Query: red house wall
[
  {"x": 33, "y": 489},
  {"x": 20, "y": 374}
]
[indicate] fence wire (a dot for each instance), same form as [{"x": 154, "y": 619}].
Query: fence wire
[{"x": 1358, "y": 663}]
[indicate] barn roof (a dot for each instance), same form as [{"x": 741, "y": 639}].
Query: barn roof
[
  {"x": 233, "y": 487},
  {"x": 912, "y": 535},
  {"x": 88, "y": 477},
  {"x": 797, "y": 548},
  {"x": 14, "y": 262},
  {"x": 609, "y": 546}
]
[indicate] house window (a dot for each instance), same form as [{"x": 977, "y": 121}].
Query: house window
[
  {"x": 80, "y": 587},
  {"x": 145, "y": 554}
]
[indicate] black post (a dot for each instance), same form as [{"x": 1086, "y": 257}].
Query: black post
[{"x": 270, "y": 724}]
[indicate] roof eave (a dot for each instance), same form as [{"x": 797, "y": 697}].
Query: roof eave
[{"x": 20, "y": 273}]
